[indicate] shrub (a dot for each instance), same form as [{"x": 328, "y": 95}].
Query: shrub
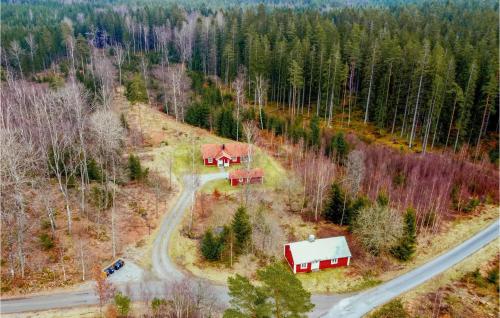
[
  {"x": 136, "y": 172},
  {"x": 157, "y": 304},
  {"x": 493, "y": 276},
  {"x": 101, "y": 198},
  {"x": 136, "y": 90},
  {"x": 93, "y": 170},
  {"x": 45, "y": 224},
  {"x": 471, "y": 205},
  {"x": 393, "y": 309},
  {"x": 382, "y": 199},
  {"x": 122, "y": 303},
  {"x": 46, "y": 241}
]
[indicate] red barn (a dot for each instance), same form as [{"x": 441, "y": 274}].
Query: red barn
[
  {"x": 242, "y": 176},
  {"x": 316, "y": 254},
  {"x": 225, "y": 154}
]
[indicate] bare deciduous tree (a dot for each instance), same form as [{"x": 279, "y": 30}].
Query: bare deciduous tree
[
  {"x": 379, "y": 228},
  {"x": 119, "y": 59},
  {"x": 239, "y": 88}
]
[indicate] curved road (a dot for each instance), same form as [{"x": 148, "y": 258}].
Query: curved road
[{"x": 325, "y": 305}]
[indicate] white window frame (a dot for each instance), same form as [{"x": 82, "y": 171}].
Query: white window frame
[
  {"x": 303, "y": 266},
  {"x": 210, "y": 160},
  {"x": 334, "y": 261},
  {"x": 241, "y": 180},
  {"x": 234, "y": 159}
]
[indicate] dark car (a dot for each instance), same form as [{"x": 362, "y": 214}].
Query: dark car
[
  {"x": 118, "y": 264},
  {"x": 109, "y": 271},
  {"x": 114, "y": 267}
]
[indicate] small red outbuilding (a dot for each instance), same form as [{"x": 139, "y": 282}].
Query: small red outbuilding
[
  {"x": 242, "y": 176},
  {"x": 316, "y": 254}
]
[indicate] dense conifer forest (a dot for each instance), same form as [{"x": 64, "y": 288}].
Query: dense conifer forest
[{"x": 427, "y": 71}]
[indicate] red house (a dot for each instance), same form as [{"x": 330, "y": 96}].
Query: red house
[
  {"x": 242, "y": 176},
  {"x": 225, "y": 154},
  {"x": 316, "y": 254}
]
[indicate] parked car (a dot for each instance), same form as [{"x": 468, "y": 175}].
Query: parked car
[
  {"x": 114, "y": 267},
  {"x": 118, "y": 264}
]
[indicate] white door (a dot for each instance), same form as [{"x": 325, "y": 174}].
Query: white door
[
  {"x": 220, "y": 162},
  {"x": 315, "y": 265}
]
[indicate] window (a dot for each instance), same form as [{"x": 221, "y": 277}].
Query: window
[
  {"x": 335, "y": 261},
  {"x": 210, "y": 160},
  {"x": 303, "y": 266},
  {"x": 233, "y": 159},
  {"x": 241, "y": 179}
]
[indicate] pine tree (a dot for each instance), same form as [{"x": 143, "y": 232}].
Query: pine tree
[
  {"x": 242, "y": 229},
  {"x": 289, "y": 298},
  {"x": 247, "y": 300}
]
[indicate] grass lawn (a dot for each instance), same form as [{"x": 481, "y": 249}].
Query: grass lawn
[
  {"x": 336, "y": 280},
  {"x": 274, "y": 174}
]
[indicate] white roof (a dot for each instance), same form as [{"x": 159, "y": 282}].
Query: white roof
[{"x": 319, "y": 249}]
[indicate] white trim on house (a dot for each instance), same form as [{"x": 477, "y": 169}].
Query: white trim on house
[{"x": 348, "y": 261}]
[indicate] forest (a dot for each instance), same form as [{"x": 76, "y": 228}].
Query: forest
[
  {"x": 427, "y": 73},
  {"x": 385, "y": 112}
]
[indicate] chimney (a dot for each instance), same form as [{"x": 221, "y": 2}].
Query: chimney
[
  {"x": 223, "y": 146},
  {"x": 311, "y": 238}
]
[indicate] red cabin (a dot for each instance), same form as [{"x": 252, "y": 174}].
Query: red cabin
[
  {"x": 317, "y": 254},
  {"x": 243, "y": 176},
  {"x": 225, "y": 154}
]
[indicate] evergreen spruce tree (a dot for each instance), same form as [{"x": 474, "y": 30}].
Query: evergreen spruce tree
[
  {"x": 226, "y": 124},
  {"x": 136, "y": 172},
  {"x": 339, "y": 147},
  {"x": 242, "y": 229},
  {"x": 335, "y": 206},
  {"x": 210, "y": 246},
  {"x": 405, "y": 250},
  {"x": 136, "y": 90},
  {"x": 315, "y": 132}
]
